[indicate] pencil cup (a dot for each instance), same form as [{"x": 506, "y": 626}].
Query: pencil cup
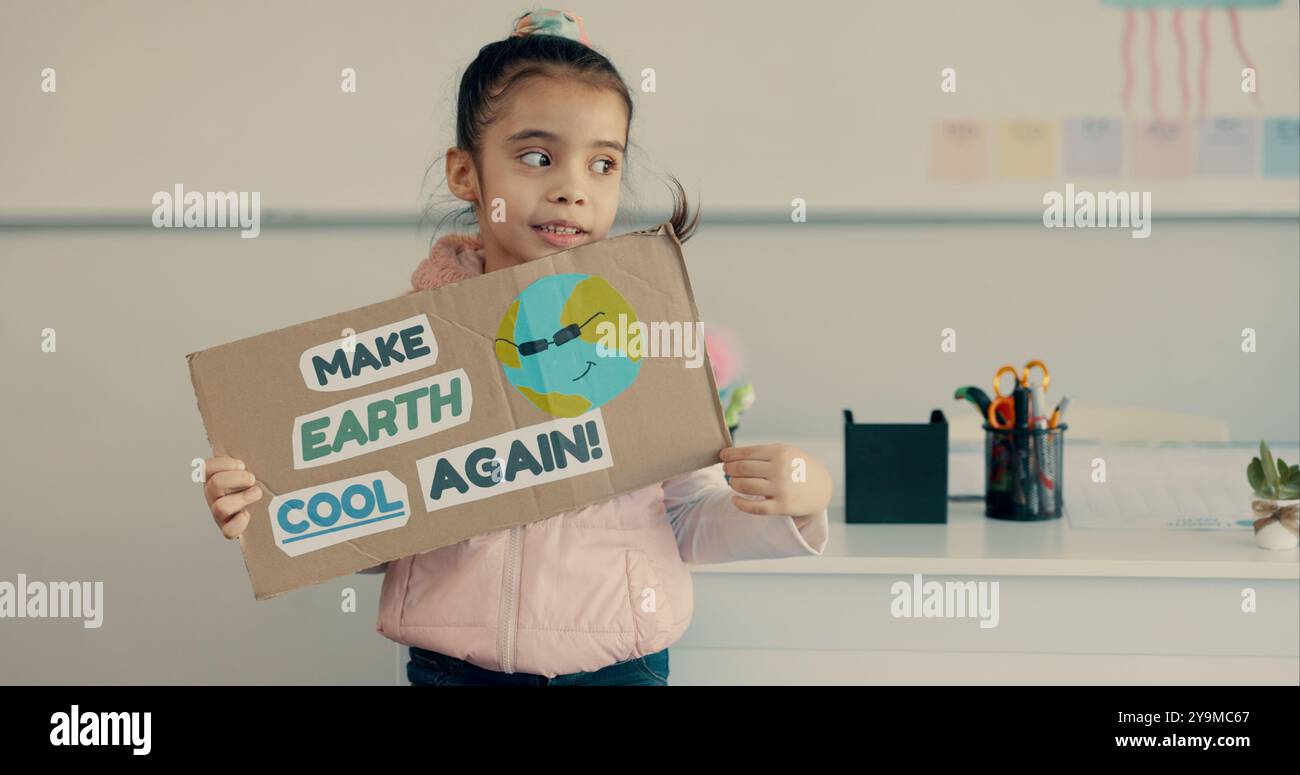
[{"x": 1022, "y": 472}]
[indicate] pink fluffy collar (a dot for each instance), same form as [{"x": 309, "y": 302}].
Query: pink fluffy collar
[{"x": 454, "y": 257}]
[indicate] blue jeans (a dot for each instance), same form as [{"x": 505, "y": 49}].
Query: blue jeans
[{"x": 430, "y": 668}]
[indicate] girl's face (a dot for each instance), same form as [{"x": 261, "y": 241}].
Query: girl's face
[{"x": 555, "y": 157}]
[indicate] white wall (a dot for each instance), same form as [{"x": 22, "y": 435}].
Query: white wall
[{"x": 755, "y": 103}]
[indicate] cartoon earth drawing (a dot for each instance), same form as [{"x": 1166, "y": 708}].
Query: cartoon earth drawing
[{"x": 546, "y": 344}]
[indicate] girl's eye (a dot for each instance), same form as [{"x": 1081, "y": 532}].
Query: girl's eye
[
  {"x": 608, "y": 169},
  {"x": 534, "y": 153}
]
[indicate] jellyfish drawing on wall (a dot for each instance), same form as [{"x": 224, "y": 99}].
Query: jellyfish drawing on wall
[{"x": 1176, "y": 8}]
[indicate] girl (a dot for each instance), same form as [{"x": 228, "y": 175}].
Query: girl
[{"x": 595, "y": 595}]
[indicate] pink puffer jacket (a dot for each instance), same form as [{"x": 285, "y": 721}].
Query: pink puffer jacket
[{"x": 584, "y": 589}]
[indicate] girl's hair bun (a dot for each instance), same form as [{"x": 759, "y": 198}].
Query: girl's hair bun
[{"x": 550, "y": 21}]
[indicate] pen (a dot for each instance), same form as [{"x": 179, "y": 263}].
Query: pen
[
  {"x": 1059, "y": 413},
  {"x": 1037, "y": 447},
  {"x": 1046, "y": 468}
]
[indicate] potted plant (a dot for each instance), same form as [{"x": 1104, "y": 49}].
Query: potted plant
[{"x": 1276, "y": 503}]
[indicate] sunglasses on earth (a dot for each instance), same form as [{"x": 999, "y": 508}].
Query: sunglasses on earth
[{"x": 566, "y": 334}]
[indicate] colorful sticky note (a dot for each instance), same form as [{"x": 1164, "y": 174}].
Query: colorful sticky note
[
  {"x": 1282, "y": 147},
  {"x": 959, "y": 150},
  {"x": 1026, "y": 149},
  {"x": 1094, "y": 147},
  {"x": 1226, "y": 145},
  {"x": 1160, "y": 150}
]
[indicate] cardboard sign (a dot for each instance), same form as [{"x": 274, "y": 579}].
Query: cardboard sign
[{"x": 415, "y": 423}]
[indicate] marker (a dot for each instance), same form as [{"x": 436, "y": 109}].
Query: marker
[
  {"x": 1026, "y": 481},
  {"x": 1039, "y": 408}
]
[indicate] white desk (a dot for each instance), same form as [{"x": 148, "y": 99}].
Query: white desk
[{"x": 1075, "y": 607}]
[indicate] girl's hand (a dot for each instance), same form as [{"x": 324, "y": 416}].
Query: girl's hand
[
  {"x": 229, "y": 490},
  {"x": 793, "y": 481}
]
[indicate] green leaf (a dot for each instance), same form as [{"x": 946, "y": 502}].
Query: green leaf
[
  {"x": 1255, "y": 474},
  {"x": 1292, "y": 475},
  {"x": 1282, "y": 468},
  {"x": 1270, "y": 468},
  {"x": 1289, "y": 492}
]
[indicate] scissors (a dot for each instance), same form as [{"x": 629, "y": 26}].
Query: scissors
[
  {"x": 1002, "y": 411},
  {"x": 1021, "y": 377}
]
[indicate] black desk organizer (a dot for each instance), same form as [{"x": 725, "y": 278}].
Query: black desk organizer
[{"x": 896, "y": 472}]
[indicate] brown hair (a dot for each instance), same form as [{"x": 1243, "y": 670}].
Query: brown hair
[{"x": 502, "y": 66}]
